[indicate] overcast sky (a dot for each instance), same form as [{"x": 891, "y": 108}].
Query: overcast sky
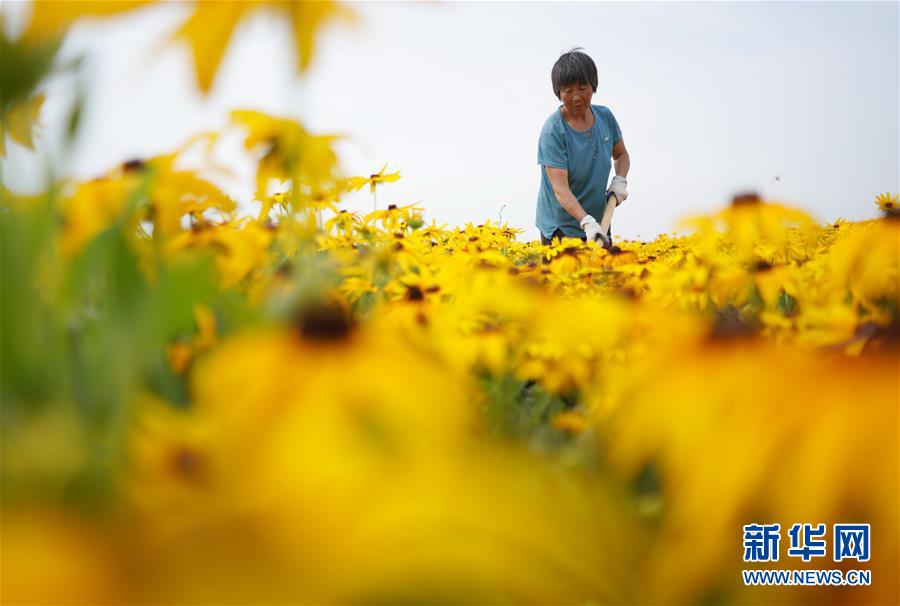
[{"x": 796, "y": 100}]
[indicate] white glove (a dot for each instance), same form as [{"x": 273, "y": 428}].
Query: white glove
[
  {"x": 619, "y": 186},
  {"x": 592, "y": 231}
]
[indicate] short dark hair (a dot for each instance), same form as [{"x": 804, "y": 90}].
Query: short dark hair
[{"x": 573, "y": 67}]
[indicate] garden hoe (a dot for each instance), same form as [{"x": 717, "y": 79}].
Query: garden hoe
[{"x": 606, "y": 220}]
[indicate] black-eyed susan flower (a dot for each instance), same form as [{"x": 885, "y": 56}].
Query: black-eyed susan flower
[
  {"x": 209, "y": 28},
  {"x": 287, "y": 151},
  {"x": 373, "y": 180},
  {"x": 888, "y": 203}
]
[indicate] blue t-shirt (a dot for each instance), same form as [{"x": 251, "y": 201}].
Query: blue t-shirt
[{"x": 587, "y": 157}]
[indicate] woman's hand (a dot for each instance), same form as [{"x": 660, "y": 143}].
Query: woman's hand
[
  {"x": 593, "y": 231},
  {"x": 622, "y": 162},
  {"x": 619, "y": 186}
]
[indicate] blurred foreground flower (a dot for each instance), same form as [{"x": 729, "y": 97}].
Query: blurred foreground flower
[
  {"x": 209, "y": 29},
  {"x": 317, "y": 406},
  {"x": 888, "y": 203},
  {"x": 288, "y": 152}
]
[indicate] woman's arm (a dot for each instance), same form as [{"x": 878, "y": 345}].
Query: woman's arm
[
  {"x": 621, "y": 158},
  {"x": 559, "y": 181}
]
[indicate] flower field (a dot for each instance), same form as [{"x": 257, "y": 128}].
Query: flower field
[
  {"x": 313, "y": 405},
  {"x": 303, "y": 404}
]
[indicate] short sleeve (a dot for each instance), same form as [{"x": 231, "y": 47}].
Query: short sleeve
[
  {"x": 552, "y": 148},
  {"x": 614, "y": 127}
]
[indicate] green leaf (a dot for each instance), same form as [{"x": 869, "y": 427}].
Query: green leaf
[
  {"x": 787, "y": 304},
  {"x": 22, "y": 67}
]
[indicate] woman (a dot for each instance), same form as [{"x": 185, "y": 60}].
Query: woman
[{"x": 575, "y": 147}]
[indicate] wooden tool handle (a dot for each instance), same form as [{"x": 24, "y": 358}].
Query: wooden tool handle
[{"x": 611, "y": 202}]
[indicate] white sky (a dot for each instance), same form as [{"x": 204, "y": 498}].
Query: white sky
[{"x": 712, "y": 98}]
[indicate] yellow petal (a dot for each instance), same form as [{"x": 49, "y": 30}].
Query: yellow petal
[
  {"x": 208, "y": 31},
  {"x": 205, "y": 319},
  {"x": 22, "y": 119},
  {"x": 51, "y": 18},
  {"x": 306, "y": 18},
  {"x": 389, "y": 178},
  {"x": 355, "y": 183}
]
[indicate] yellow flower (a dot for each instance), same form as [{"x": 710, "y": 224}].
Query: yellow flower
[
  {"x": 888, "y": 203},
  {"x": 288, "y": 151},
  {"x": 475, "y": 328},
  {"x": 238, "y": 247},
  {"x": 169, "y": 197},
  {"x": 176, "y": 193},
  {"x": 568, "y": 341},
  {"x": 50, "y": 18},
  {"x": 729, "y": 285},
  {"x": 773, "y": 281},
  {"x": 20, "y": 122},
  {"x": 94, "y": 206},
  {"x": 285, "y": 405},
  {"x": 757, "y": 231},
  {"x": 418, "y": 286},
  {"x": 394, "y": 218},
  {"x": 765, "y": 433},
  {"x": 867, "y": 263},
  {"x": 345, "y": 222},
  {"x": 357, "y": 182},
  {"x": 209, "y": 29}
]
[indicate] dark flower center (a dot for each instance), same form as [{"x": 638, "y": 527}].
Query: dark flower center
[
  {"x": 745, "y": 199},
  {"x": 133, "y": 165},
  {"x": 325, "y": 321}
]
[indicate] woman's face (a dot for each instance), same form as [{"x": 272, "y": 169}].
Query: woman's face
[{"x": 576, "y": 98}]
